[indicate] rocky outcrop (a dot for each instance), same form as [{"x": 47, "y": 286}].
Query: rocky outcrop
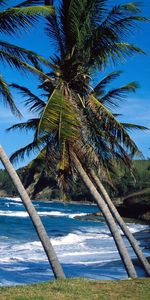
[{"x": 136, "y": 205}]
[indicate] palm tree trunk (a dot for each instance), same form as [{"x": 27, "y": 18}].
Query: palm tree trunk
[
  {"x": 49, "y": 250},
  {"x": 109, "y": 219},
  {"x": 121, "y": 223}
]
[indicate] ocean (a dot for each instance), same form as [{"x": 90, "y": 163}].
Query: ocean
[{"x": 85, "y": 248}]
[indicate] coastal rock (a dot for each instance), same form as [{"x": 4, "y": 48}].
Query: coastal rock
[{"x": 136, "y": 205}]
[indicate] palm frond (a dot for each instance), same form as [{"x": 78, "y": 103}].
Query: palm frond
[
  {"x": 109, "y": 124},
  {"x": 33, "y": 147},
  {"x": 23, "y": 54},
  {"x": 33, "y": 102},
  {"x": 99, "y": 89},
  {"x": 59, "y": 116},
  {"x": 53, "y": 31},
  {"x": 16, "y": 62},
  {"x": 131, "y": 127},
  {"x": 117, "y": 115},
  {"x": 77, "y": 19},
  {"x": 121, "y": 13},
  {"x": 70, "y": 14},
  {"x": 108, "y": 148},
  {"x": 14, "y": 18},
  {"x": 120, "y": 20},
  {"x": 125, "y": 49},
  {"x": 115, "y": 95},
  {"x": 7, "y": 98},
  {"x": 31, "y": 124},
  {"x": 118, "y": 23},
  {"x": 111, "y": 53}
]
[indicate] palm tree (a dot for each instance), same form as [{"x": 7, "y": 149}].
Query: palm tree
[
  {"x": 75, "y": 119},
  {"x": 13, "y": 19},
  {"x": 69, "y": 120}
]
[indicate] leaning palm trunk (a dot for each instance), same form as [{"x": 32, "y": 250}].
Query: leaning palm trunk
[
  {"x": 121, "y": 223},
  {"x": 109, "y": 219},
  {"x": 49, "y": 250}
]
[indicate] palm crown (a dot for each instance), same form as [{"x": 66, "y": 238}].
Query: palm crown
[
  {"x": 94, "y": 133},
  {"x": 75, "y": 117}
]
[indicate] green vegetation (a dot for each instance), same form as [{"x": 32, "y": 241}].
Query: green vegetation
[
  {"x": 6, "y": 185},
  {"x": 80, "y": 289},
  {"x": 127, "y": 182},
  {"x": 44, "y": 186}
]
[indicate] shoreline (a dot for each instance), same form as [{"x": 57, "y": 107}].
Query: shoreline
[
  {"x": 53, "y": 200},
  {"x": 128, "y": 219}
]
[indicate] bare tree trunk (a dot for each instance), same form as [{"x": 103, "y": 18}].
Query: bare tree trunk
[
  {"x": 109, "y": 219},
  {"x": 48, "y": 248},
  {"x": 121, "y": 223}
]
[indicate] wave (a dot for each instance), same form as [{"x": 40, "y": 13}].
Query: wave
[
  {"x": 18, "y": 199},
  {"x": 137, "y": 227},
  {"x": 70, "y": 248},
  {"x": 24, "y": 214},
  {"x": 73, "y": 238},
  {"x": 10, "y": 213}
]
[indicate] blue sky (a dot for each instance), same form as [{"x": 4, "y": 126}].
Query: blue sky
[{"x": 135, "y": 109}]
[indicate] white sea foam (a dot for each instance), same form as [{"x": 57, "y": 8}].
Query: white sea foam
[
  {"x": 76, "y": 215},
  {"x": 60, "y": 214},
  {"x": 73, "y": 248},
  {"x": 18, "y": 199},
  {"x": 52, "y": 213},
  {"x": 24, "y": 214},
  {"x": 88, "y": 263},
  {"x": 137, "y": 227},
  {"x": 10, "y": 213},
  {"x": 15, "y": 269},
  {"x": 73, "y": 238},
  {"x": 86, "y": 253}
]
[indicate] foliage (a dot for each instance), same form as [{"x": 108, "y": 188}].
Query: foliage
[
  {"x": 128, "y": 182},
  {"x": 6, "y": 184}
]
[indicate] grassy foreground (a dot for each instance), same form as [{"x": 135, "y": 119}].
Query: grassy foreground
[{"x": 80, "y": 289}]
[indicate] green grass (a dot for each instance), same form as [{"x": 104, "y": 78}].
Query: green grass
[{"x": 80, "y": 289}]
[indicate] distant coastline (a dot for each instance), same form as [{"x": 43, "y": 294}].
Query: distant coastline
[
  {"x": 128, "y": 211},
  {"x": 131, "y": 195}
]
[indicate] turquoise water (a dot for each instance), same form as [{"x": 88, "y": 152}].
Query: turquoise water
[{"x": 84, "y": 248}]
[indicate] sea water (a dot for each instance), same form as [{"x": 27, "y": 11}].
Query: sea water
[{"x": 85, "y": 248}]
